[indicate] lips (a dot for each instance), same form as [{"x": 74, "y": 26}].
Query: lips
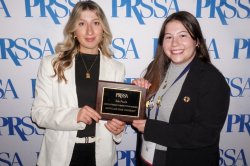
[
  {"x": 90, "y": 39},
  {"x": 177, "y": 51}
]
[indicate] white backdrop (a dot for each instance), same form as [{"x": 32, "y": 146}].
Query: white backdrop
[{"x": 29, "y": 30}]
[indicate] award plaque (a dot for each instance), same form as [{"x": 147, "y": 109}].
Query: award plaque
[{"x": 122, "y": 101}]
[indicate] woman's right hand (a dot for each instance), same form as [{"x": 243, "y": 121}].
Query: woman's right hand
[
  {"x": 141, "y": 82},
  {"x": 87, "y": 115}
]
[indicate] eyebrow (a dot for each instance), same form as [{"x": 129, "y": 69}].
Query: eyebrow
[
  {"x": 95, "y": 19},
  {"x": 177, "y": 33}
]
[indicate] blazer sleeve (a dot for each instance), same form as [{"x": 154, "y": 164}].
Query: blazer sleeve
[
  {"x": 203, "y": 127},
  {"x": 120, "y": 77},
  {"x": 44, "y": 112}
]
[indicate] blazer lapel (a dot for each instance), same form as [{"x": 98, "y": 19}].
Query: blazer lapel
[{"x": 71, "y": 85}]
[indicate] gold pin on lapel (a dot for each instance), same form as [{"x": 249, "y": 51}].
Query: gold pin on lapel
[{"x": 186, "y": 99}]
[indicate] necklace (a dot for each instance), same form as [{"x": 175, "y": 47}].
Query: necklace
[{"x": 87, "y": 74}]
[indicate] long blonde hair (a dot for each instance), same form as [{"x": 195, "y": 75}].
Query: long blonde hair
[{"x": 67, "y": 49}]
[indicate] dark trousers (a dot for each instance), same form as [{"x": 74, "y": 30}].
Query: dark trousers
[{"x": 83, "y": 154}]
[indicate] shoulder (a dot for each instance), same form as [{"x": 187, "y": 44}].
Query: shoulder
[
  {"x": 205, "y": 68},
  {"x": 48, "y": 59},
  {"x": 210, "y": 75},
  {"x": 46, "y": 63},
  {"x": 111, "y": 61}
]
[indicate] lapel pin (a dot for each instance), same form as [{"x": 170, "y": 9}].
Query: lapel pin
[{"x": 186, "y": 99}]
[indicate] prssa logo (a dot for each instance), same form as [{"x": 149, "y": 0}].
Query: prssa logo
[
  {"x": 12, "y": 159},
  {"x": 233, "y": 157},
  {"x": 127, "y": 157},
  {"x": 7, "y": 89},
  {"x": 238, "y": 123},
  {"x": 5, "y": 9},
  {"x": 241, "y": 48},
  {"x": 125, "y": 48},
  {"x": 224, "y": 9},
  {"x": 17, "y": 126},
  {"x": 55, "y": 9},
  {"x": 240, "y": 87},
  {"x": 21, "y": 48},
  {"x": 143, "y": 10}
]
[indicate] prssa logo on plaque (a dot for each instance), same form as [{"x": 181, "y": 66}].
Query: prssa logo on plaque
[
  {"x": 19, "y": 126},
  {"x": 232, "y": 157},
  {"x": 238, "y": 123},
  {"x": 20, "y": 49},
  {"x": 240, "y": 86},
  {"x": 226, "y": 10}
]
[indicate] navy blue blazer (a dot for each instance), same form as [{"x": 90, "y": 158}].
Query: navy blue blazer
[{"x": 193, "y": 132}]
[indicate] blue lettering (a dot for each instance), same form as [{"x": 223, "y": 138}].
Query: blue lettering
[
  {"x": 232, "y": 157},
  {"x": 54, "y": 9},
  {"x": 126, "y": 155},
  {"x": 213, "y": 49},
  {"x": 241, "y": 44},
  {"x": 50, "y": 47},
  {"x": 116, "y": 44},
  {"x": 129, "y": 80},
  {"x": 23, "y": 127},
  {"x": 4, "y": 8},
  {"x": 142, "y": 10},
  {"x": 22, "y": 48},
  {"x": 6, "y": 159},
  {"x": 16, "y": 160},
  {"x": 155, "y": 44},
  {"x": 240, "y": 122},
  {"x": 8, "y": 88},
  {"x": 133, "y": 48},
  {"x": 119, "y": 44},
  {"x": 239, "y": 87},
  {"x": 33, "y": 86},
  {"x": 223, "y": 9}
]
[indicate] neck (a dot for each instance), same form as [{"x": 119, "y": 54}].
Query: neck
[{"x": 89, "y": 51}]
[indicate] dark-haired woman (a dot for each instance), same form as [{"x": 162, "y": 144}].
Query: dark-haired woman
[{"x": 188, "y": 99}]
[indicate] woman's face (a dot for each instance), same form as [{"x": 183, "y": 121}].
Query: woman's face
[
  {"x": 89, "y": 32},
  {"x": 178, "y": 45}
]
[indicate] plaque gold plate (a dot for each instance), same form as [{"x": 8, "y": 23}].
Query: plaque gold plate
[{"x": 122, "y": 101}]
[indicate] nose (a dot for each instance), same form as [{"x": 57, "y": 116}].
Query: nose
[
  {"x": 89, "y": 30},
  {"x": 175, "y": 40}
]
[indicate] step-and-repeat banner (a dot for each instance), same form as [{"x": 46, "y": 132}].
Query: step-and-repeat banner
[{"x": 29, "y": 30}]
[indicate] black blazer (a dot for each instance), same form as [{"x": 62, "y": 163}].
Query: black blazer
[{"x": 193, "y": 132}]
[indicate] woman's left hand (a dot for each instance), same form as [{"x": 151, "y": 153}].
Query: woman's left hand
[
  {"x": 139, "y": 124},
  {"x": 141, "y": 82},
  {"x": 115, "y": 126}
]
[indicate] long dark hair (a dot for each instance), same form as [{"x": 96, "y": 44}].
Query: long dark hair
[{"x": 157, "y": 68}]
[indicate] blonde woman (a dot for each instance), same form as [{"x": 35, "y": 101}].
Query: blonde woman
[{"x": 66, "y": 93}]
